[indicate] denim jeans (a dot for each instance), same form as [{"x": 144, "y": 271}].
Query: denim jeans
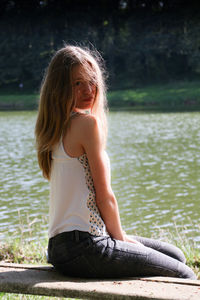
[{"x": 81, "y": 254}]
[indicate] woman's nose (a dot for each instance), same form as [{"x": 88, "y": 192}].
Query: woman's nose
[{"x": 88, "y": 88}]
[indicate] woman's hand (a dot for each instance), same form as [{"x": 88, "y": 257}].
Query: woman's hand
[{"x": 130, "y": 240}]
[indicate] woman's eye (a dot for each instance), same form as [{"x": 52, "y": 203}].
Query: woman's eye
[{"x": 78, "y": 83}]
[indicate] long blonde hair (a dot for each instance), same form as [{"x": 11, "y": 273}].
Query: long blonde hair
[{"x": 57, "y": 101}]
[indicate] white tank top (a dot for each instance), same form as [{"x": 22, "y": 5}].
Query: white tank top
[{"x": 72, "y": 195}]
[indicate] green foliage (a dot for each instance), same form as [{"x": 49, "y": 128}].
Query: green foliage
[
  {"x": 141, "y": 45},
  {"x": 19, "y": 251},
  {"x": 7, "y": 296},
  {"x": 18, "y": 101},
  {"x": 164, "y": 96}
]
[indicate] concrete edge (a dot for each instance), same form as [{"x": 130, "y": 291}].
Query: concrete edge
[
  {"x": 49, "y": 267},
  {"x": 44, "y": 280}
]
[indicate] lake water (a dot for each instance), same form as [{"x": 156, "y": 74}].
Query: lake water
[{"x": 155, "y": 162}]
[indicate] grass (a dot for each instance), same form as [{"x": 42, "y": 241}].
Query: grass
[
  {"x": 171, "y": 95},
  {"x": 32, "y": 252},
  {"x": 182, "y": 95},
  {"x": 22, "y": 250},
  {"x": 4, "y": 296},
  {"x": 179, "y": 237},
  {"x": 25, "y": 252},
  {"x": 27, "y": 249},
  {"x": 18, "y": 101}
]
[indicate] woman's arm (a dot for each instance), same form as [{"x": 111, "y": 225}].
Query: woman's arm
[{"x": 92, "y": 142}]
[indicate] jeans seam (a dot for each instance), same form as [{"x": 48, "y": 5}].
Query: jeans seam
[{"x": 121, "y": 250}]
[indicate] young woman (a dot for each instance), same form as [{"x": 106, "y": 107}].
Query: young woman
[{"x": 86, "y": 238}]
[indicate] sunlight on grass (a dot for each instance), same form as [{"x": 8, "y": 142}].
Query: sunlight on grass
[
  {"x": 169, "y": 95},
  {"x": 4, "y": 296},
  {"x": 180, "y": 238}
]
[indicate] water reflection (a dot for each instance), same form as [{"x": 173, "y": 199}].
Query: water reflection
[
  {"x": 23, "y": 193},
  {"x": 155, "y": 163}
]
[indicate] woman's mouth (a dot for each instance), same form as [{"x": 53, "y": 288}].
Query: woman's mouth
[{"x": 88, "y": 99}]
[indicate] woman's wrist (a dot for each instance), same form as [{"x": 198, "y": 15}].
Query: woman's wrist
[{"x": 120, "y": 236}]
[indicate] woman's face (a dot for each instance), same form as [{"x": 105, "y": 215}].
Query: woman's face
[{"x": 84, "y": 90}]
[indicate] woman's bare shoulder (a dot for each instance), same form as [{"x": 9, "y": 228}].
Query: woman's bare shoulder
[
  {"x": 88, "y": 130},
  {"x": 86, "y": 121}
]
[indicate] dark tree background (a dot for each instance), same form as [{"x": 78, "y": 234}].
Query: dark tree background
[{"x": 143, "y": 42}]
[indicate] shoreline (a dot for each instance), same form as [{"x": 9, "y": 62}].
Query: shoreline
[
  {"x": 174, "y": 96},
  {"x": 8, "y": 107}
]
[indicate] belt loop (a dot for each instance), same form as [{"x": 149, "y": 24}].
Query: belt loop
[{"x": 76, "y": 235}]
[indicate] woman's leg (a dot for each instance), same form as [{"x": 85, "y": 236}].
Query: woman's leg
[
  {"x": 163, "y": 247},
  {"x": 121, "y": 259},
  {"x": 84, "y": 255}
]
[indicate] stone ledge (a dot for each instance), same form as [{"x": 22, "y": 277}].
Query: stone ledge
[{"x": 44, "y": 280}]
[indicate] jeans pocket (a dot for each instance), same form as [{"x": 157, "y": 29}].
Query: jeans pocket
[
  {"x": 77, "y": 267},
  {"x": 58, "y": 254}
]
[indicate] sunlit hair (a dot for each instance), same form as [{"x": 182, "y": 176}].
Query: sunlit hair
[{"x": 57, "y": 101}]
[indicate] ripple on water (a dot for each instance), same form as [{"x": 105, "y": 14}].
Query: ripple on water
[
  {"x": 163, "y": 163},
  {"x": 155, "y": 162}
]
